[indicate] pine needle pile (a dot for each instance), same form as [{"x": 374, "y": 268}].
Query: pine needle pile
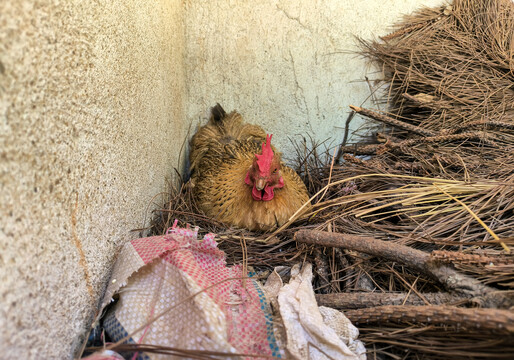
[{"x": 412, "y": 227}]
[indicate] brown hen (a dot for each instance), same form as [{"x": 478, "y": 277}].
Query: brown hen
[{"x": 238, "y": 178}]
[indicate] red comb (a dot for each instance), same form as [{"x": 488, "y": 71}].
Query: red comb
[{"x": 264, "y": 160}]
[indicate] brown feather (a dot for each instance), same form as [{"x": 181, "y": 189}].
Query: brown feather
[{"x": 222, "y": 152}]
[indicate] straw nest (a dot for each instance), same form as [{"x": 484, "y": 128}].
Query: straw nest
[{"x": 412, "y": 225}]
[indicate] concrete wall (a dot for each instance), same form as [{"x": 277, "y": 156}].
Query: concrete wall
[
  {"x": 285, "y": 64},
  {"x": 95, "y": 101},
  {"x": 91, "y": 122}
]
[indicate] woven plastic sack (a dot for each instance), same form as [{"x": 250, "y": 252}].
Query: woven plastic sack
[{"x": 176, "y": 291}]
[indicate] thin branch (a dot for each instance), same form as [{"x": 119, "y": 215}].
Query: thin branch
[{"x": 393, "y": 122}]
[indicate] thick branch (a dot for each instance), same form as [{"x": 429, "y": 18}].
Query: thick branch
[
  {"x": 490, "y": 320},
  {"x": 360, "y": 300},
  {"x": 415, "y": 259}
]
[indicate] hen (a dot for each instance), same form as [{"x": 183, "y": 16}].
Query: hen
[{"x": 238, "y": 177}]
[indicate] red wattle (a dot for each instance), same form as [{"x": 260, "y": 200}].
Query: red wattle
[
  {"x": 256, "y": 194},
  {"x": 268, "y": 193}
]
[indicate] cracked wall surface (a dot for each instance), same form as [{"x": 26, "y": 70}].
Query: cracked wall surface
[
  {"x": 95, "y": 102},
  {"x": 91, "y": 124},
  {"x": 284, "y": 64}
]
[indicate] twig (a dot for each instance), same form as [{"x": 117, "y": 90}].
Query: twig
[
  {"x": 462, "y": 258},
  {"x": 488, "y": 124},
  {"x": 360, "y": 300},
  {"x": 345, "y": 137},
  {"x": 374, "y": 149},
  {"x": 393, "y": 122},
  {"x": 444, "y": 138},
  {"x": 490, "y": 320}
]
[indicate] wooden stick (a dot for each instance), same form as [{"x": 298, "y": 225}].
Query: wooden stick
[
  {"x": 360, "y": 300},
  {"x": 487, "y": 124},
  {"x": 361, "y": 150},
  {"x": 393, "y": 122},
  {"x": 444, "y": 138},
  {"x": 377, "y": 149},
  {"x": 415, "y": 259},
  {"x": 463, "y": 258},
  {"x": 321, "y": 269},
  {"x": 483, "y": 320}
]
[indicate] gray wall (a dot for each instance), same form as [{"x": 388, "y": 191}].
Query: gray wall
[
  {"x": 95, "y": 102},
  {"x": 285, "y": 64},
  {"x": 91, "y": 121}
]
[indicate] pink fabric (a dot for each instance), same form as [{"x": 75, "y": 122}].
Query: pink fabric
[{"x": 162, "y": 271}]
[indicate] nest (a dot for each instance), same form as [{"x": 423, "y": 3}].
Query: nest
[{"x": 424, "y": 200}]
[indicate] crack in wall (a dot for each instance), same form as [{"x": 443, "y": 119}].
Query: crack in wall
[{"x": 296, "y": 19}]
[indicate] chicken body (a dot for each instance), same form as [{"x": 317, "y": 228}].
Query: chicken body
[{"x": 229, "y": 183}]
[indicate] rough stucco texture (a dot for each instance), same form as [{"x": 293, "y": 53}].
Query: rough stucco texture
[
  {"x": 91, "y": 123},
  {"x": 95, "y": 102},
  {"x": 285, "y": 64}
]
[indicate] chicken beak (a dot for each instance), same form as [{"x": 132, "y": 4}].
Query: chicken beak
[{"x": 260, "y": 184}]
